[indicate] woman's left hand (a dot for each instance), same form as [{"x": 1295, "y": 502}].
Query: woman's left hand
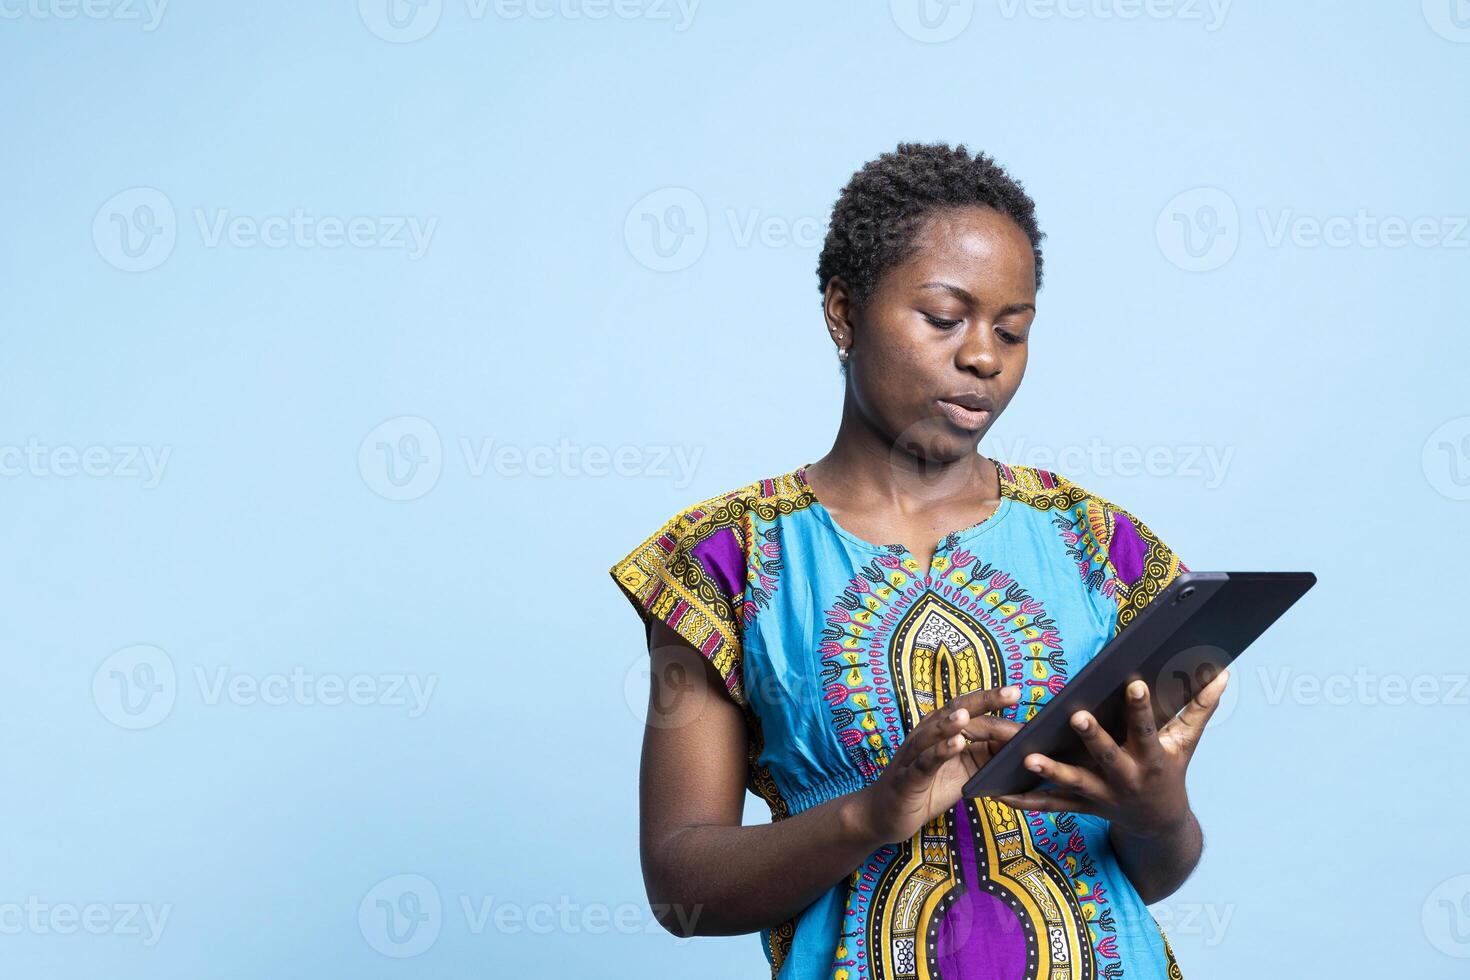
[{"x": 1138, "y": 786}]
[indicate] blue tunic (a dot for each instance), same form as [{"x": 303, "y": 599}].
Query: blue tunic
[{"x": 835, "y": 648}]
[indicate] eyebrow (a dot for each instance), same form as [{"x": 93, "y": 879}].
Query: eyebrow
[{"x": 965, "y": 295}]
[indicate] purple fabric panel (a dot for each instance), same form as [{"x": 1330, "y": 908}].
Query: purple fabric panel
[
  {"x": 979, "y": 938},
  {"x": 723, "y": 561},
  {"x": 1127, "y": 550}
]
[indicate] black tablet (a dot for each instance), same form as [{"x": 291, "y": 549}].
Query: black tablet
[{"x": 1177, "y": 643}]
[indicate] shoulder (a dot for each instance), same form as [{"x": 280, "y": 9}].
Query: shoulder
[
  {"x": 1045, "y": 489},
  {"x": 690, "y": 572},
  {"x": 1116, "y": 551},
  {"x": 705, "y": 543},
  {"x": 727, "y": 514}
]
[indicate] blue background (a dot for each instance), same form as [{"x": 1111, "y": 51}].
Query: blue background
[{"x": 304, "y": 521}]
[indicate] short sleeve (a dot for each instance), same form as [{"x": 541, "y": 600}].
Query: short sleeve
[
  {"x": 1141, "y": 564},
  {"x": 690, "y": 575}
]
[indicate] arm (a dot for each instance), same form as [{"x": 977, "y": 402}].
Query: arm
[
  {"x": 706, "y": 875},
  {"x": 1158, "y": 865}
]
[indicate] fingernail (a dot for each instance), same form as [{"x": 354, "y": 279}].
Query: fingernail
[
  {"x": 1034, "y": 766},
  {"x": 1081, "y": 724},
  {"x": 1010, "y": 691},
  {"x": 1138, "y": 689}
]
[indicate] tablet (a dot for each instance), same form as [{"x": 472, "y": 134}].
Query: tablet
[{"x": 1177, "y": 644}]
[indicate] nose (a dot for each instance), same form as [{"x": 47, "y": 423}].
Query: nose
[{"x": 978, "y": 352}]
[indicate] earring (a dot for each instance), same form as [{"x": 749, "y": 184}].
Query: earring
[{"x": 842, "y": 354}]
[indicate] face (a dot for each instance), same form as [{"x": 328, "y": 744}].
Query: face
[{"x": 939, "y": 349}]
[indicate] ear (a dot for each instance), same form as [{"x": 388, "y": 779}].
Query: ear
[{"x": 839, "y": 310}]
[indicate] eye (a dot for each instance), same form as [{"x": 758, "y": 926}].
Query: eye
[
  {"x": 940, "y": 322},
  {"x": 1011, "y": 338}
]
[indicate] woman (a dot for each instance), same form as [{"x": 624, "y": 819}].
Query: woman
[{"x": 856, "y": 686}]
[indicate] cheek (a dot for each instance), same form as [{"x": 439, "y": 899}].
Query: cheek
[
  {"x": 1015, "y": 370},
  {"x": 917, "y": 347},
  {"x": 915, "y": 358},
  {"x": 892, "y": 382},
  {"x": 1021, "y": 356},
  {"x": 915, "y": 366},
  {"x": 895, "y": 354}
]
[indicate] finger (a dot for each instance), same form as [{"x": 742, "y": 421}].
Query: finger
[
  {"x": 1048, "y": 802},
  {"x": 1073, "y": 781},
  {"x": 1143, "y": 733},
  {"x": 937, "y": 726},
  {"x": 1115, "y": 764},
  {"x": 988, "y": 728},
  {"x": 958, "y": 715},
  {"x": 986, "y": 699},
  {"x": 928, "y": 762},
  {"x": 1196, "y": 714},
  {"x": 982, "y": 748}
]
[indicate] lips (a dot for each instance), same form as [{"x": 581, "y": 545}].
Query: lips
[
  {"x": 968, "y": 411},
  {"x": 972, "y": 400}
]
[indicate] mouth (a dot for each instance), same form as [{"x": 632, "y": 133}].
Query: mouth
[{"x": 968, "y": 412}]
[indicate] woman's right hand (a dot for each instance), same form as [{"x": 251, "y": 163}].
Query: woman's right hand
[{"x": 928, "y": 773}]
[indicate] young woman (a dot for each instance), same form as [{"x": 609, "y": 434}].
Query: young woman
[{"x": 851, "y": 639}]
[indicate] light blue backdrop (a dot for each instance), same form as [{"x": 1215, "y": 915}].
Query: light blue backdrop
[{"x": 346, "y": 346}]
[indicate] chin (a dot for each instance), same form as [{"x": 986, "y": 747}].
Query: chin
[{"x": 938, "y": 441}]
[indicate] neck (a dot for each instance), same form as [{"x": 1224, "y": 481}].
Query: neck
[{"x": 866, "y": 466}]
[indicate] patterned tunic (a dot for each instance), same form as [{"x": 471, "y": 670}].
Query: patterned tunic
[{"x": 834, "y": 648}]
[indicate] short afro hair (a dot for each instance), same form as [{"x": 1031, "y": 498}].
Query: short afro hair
[{"x": 883, "y": 206}]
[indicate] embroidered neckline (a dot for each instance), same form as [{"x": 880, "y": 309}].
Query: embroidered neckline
[{"x": 946, "y": 542}]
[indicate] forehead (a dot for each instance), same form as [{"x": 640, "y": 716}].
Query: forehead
[{"x": 978, "y": 245}]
